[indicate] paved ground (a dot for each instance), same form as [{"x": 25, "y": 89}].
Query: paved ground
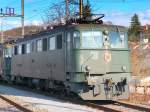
[
  {"x": 6, "y": 107},
  {"x": 41, "y": 103}
]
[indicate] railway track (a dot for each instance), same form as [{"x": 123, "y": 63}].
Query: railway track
[
  {"x": 18, "y": 106},
  {"x": 100, "y": 107},
  {"x": 134, "y": 106},
  {"x": 117, "y": 106}
]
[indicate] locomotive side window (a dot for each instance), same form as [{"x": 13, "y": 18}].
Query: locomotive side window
[
  {"x": 28, "y": 45},
  {"x": 52, "y": 42},
  {"x": 92, "y": 39},
  {"x": 32, "y": 46},
  {"x": 15, "y": 50},
  {"x": 45, "y": 44},
  {"x": 23, "y": 49},
  {"x": 59, "y": 41},
  {"x": 39, "y": 45},
  {"x": 76, "y": 36},
  {"x": 19, "y": 49}
]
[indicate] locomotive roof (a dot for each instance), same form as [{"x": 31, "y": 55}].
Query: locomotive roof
[{"x": 66, "y": 27}]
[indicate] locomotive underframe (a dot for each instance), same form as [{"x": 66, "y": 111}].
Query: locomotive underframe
[{"x": 98, "y": 89}]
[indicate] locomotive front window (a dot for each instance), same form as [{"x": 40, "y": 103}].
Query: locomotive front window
[
  {"x": 117, "y": 40},
  {"x": 91, "y": 39}
]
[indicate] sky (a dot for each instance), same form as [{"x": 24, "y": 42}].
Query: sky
[{"x": 117, "y": 11}]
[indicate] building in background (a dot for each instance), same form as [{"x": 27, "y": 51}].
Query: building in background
[{"x": 145, "y": 33}]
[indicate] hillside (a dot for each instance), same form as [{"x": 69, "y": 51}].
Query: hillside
[
  {"x": 140, "y": 59},
  {"x": 16, "y": 32}
]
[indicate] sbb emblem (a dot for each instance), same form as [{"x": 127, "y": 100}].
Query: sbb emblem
[{"x": 107, "y": 57}]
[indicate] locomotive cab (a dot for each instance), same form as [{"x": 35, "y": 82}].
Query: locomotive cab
[{"x": 101, "y": 68}]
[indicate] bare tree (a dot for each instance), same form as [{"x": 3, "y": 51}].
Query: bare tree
[{"x": 54, "y": 15}]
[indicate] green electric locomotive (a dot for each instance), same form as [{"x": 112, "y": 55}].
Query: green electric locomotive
[{"x": 85, "y": 58}]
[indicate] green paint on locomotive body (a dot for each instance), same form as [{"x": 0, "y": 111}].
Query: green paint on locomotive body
[
  {"x": 94, "y": 58},
  {"x": 98, "y": 65}
]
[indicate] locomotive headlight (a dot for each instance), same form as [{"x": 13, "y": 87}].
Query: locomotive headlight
[
  {"x": 122, "y": 36},
  {"x": 105, "y": 32},
  {"x": 124, "y": 68},
  {"x": 88, "y": 68}
]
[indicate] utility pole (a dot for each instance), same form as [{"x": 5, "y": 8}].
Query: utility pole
[
  {"x": 11, "y": 13},
  {"x": 2, "y": 34},
  {"x": 22, "y": 17},
  {"x": 67, "y": 10},
  {"x": 81, "y": 8}
]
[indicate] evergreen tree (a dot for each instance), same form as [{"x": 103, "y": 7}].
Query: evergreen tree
[
  {"x": 87, "y": 10},
  {"x": 134, "y": 29}
]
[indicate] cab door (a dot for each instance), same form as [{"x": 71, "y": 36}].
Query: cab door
[{"x": 69, "y": 54}]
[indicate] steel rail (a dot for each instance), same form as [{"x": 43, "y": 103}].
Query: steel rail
[
  {"x": 100, "y": 107},
  {"x": 134, "y": 106},
  {"x": 18, "y": 106}
]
